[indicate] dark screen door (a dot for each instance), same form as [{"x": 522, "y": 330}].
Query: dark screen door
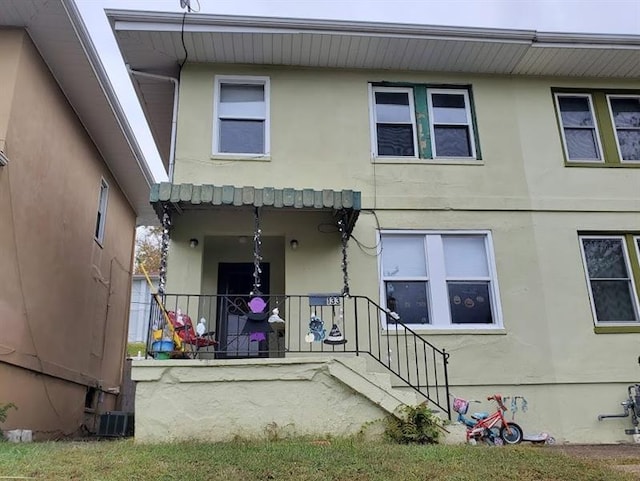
[{"x": 235, "y": 281}]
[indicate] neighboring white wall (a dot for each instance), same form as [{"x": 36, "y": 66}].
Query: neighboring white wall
[{"x": 140, "y": 307}]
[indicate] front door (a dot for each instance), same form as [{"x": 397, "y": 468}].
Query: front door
[{"x": 235, "y": 282}]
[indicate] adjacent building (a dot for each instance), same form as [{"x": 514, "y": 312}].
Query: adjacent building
[{"x": 73, "y": 185}]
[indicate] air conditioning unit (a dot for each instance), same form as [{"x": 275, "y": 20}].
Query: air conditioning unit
[{"x": 116, "y": 424}]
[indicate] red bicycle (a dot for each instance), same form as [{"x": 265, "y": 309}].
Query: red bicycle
[{"x": 493, "y": 428}]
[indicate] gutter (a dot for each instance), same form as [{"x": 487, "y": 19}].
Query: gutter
[
  {"x": 174, "y": 116},
  {"x": 169, "y": 21}
]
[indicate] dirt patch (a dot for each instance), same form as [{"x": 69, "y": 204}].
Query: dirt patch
[{"x": 623, "y": 457}]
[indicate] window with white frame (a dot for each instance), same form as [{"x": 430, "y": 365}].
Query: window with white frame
[
  {"x": 101, "y": 215},
  {"x": 599, "y": 127},
  {"x": 579, "y": 130},
  {"x": 241, "y": 115},
  {"x": 625, "y": 116},
  {"x": 610, "y": 277},
  {"x": 395, "y": 124},
  {"x": 422, "y": 122},
  {"x": 451, "y": 125},
  {"x": 439, "y": 279}
]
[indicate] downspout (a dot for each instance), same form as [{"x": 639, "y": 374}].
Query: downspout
[{"x": 174, "y": 117}]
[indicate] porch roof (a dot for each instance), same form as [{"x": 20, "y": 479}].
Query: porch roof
[{"x": 184, "y": 197}]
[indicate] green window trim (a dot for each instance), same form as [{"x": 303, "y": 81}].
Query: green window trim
[
  {"x": 605, "y": 128},
  {"x": 422, "y": 116}
]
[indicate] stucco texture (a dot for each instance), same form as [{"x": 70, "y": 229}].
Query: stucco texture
[
  {"x": 221, "y": 401},
  {"x": 545, "y": 345},
  {"x": 63, "y": 297}
]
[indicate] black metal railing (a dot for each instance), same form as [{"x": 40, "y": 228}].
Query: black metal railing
[{"x": 313, "y": 325}]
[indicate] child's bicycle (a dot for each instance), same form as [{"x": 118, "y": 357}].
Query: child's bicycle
[{"x": 492, "y": 428}]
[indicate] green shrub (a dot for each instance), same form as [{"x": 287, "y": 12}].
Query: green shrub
[
  {"x": 4, "y": 411},
  {"x": 417, "y": 425}
]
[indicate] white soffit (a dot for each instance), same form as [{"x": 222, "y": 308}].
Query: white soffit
[{"x": 153, "y": 41}]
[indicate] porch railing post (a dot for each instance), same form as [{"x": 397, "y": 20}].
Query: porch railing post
[
  {"x": 445, "y": 359},
  {"x": 355, "y": 313}
]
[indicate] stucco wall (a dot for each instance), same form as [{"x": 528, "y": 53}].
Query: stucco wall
[
  {"x": 521, "y": 192},
  {"x": 63, "y": 297},
  {"x": 258, "y": 400},
  {"x": 320, "y": 138}
]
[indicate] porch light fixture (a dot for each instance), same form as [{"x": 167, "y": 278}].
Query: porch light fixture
[
  {"x": 293, "y": 244},
  {"x": 193, "y": 243}
]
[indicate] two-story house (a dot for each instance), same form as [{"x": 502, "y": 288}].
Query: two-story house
[
  {"x": 73, "y": 185},
  {"x": 475, "y": 191}
]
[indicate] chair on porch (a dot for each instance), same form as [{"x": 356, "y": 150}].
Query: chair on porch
[{"x": 183, "y": 327}]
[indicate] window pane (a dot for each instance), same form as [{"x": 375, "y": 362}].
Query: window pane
[
  {"x": 393, "y": 107},
  {"x": 395, "y": 140},
  {"x": 613, "y": 301},
  {"x": 409, "y": 301},
  {"x": 403, "y": 256},
  {"x": 629, "y": 141},
  {"x": 465, "y": 256},
  {"x": 452, "y": 141},
  {"x": 242, "y": 136},
  {"x": 470, "y": 303},
  {"x": 626, "y": 111},
  {"x": 242, "y": 101},
  {"x": 449, "y": 108},
  {"x": 605, "y": 258},
  {"x": 575, "y": 112},
  {"x": 581, "y": 144}
]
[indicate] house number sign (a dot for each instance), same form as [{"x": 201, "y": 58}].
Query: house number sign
[{"x": 324, "y": 299}]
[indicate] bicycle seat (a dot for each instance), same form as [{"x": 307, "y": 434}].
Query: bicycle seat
[{"x": 480, "y": 416}]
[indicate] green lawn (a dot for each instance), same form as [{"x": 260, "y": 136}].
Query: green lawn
[{"x": 298, "y": 460}]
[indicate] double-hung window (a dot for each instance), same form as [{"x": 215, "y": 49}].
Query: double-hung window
[
  {"x": 241, "y": 116},
  {"x": 439, "y": 279},
  {"x": 599, "y": 127},
  {"x": 422, "y": 122},
  {"x": 610, "y": 267},
  {"x": 101, "y": 216}
]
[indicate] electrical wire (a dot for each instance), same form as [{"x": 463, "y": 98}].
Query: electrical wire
[{"x": 184, "y": 47}]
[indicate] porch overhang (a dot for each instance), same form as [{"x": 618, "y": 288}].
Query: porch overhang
[{"x": 190, "y": 197}]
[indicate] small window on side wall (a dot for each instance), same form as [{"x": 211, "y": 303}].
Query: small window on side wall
[
  {"x": 394, "y": 119},
  {"x": 102, "y": 211},
  {"x": 241, "y": 117}
]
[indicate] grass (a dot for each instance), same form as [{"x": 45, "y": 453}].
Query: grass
[
  {"x": 134, "y": 347},
  {"x": 289, "y": 460}
]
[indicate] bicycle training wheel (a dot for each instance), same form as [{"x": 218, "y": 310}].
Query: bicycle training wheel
[{"x": 514, "y": 437}]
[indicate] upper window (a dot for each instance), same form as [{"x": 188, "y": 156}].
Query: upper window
[
  {"x": 599, "y": 128},
  {"x": 421, "y": 122},
  {"x": 102, "y": 211},
  {"x": 610, "y": 276},
  {"x": 441, "y": 280},
  {"x": 625, "y": 112},
  {"x": 241, "y": 116}
]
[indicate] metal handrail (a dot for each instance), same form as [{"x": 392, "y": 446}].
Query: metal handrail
[{"x": 368, "y": 329}]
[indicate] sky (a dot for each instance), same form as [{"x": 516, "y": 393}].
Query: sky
[{"x": 583, "y": 16}]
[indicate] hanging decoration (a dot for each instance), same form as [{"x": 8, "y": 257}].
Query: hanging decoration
[
  {"x": 164, "y": 249},
  {"x": 344, "y": 235},
  {"x": 335, "y": 336},
  {"x": 257, "y": 253},
  {"x": 317, "y": 331},
  {"x": 257, "y": 324}
]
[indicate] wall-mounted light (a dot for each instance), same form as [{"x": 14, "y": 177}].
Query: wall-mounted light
[
  {"x": 193, "y": 243},
  {"x": 294, "y": 244}
]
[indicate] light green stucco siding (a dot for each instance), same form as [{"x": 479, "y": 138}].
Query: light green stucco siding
[{"x": 520, "y": 191}]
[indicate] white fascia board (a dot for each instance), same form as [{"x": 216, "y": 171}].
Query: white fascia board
[{"x": 172, "y": 22}]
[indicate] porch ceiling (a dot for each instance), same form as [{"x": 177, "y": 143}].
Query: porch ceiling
[{"x": 185, "y": 197}]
